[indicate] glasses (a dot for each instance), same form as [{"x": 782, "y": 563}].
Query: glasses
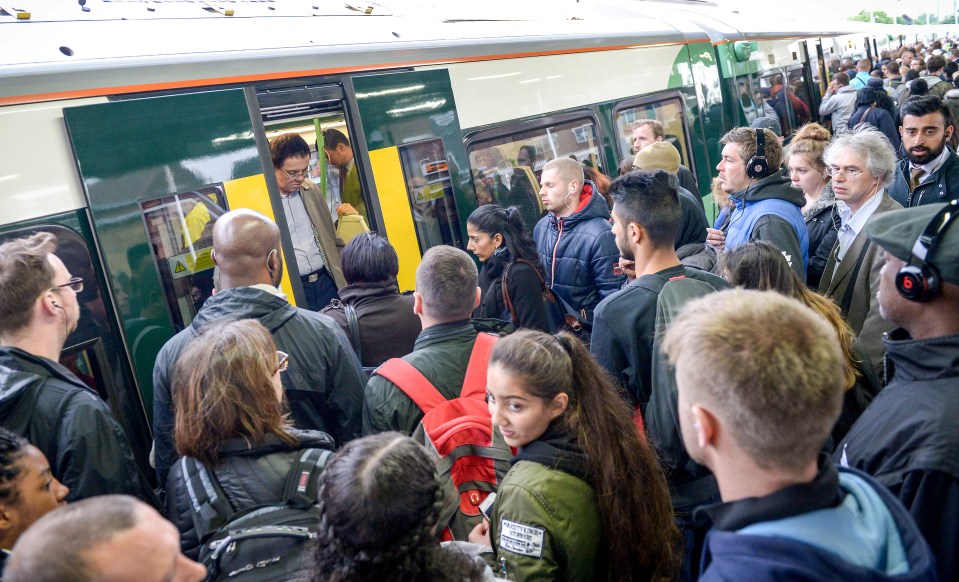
[
  {"x": 298, "y": 175},
  {"x": 75, "y": 283},
  {"x": 849, "y": 172},
  {"x": 282, "y": 361}
]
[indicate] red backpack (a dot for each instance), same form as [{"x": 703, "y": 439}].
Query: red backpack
[{"x": 471, "y": 456}]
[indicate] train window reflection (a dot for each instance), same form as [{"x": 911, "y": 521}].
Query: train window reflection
[
  {"x": 430, "y": 188},
  {"x": 668, "y": 111},
  {"x": 180, "y": 230},
  {"x": 507, "y": 168}
]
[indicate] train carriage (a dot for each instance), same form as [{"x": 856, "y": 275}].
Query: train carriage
[{"x": 128, "y": 127}]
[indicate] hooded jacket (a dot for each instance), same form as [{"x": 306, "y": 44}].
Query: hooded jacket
[
  {"x": 822, "y": 224},
  {"x": 46, "y": 404},
  {"x": 940, "y": 186},
  {"x": 249, "y": 475},
  {"x": 863, "y": 533},
  {"x": 770, "y": 210},
  {"x": 840, "y": 106},
  {"x": 578, "y": 253},
  {"x": 908, "y": 440},
  {"x": 323, "y": 385},
  {"x": 546, "y": 523},
  {"x": 524, "y": 287}
]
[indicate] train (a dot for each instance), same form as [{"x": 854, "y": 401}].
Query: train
[{"x": 128, "y": 126}]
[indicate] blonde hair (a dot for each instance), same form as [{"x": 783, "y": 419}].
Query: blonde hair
[{"x": 811, "y": 141}]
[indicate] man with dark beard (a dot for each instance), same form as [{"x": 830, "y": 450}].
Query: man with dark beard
[{"x": 930, "y": 174}]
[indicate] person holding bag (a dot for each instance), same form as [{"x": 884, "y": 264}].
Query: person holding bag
[{"x": 511, "y": 280}]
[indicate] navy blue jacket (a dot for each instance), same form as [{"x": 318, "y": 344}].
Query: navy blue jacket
[
  {"x": 578, "y": 253},
  {"x": 941, "y": 186}
]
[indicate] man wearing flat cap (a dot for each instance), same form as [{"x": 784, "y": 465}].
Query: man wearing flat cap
[
  {"x": 662, "y": 155},
  {"x": 908, "y": 438}
]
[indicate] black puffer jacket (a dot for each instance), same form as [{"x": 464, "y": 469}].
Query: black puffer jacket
[
  {"x": 54, "y": 410},
  {"x": 579, "y": 251},
  {"x": 822, "y": 223},
  {"x": 323, "y": 386},
  {"x": 248, "y": 476},
  {"x": 524, "y": 287}
]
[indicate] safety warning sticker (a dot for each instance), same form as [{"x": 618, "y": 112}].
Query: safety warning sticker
[{"x": 521, "y": 539}]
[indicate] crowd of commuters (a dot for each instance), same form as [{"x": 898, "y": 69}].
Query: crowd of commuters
[{"x": 770, "y": 397}]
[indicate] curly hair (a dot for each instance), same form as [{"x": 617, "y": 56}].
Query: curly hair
[
  {"x": 12, "y": 448},
  {"x": 380, "y": 503}
]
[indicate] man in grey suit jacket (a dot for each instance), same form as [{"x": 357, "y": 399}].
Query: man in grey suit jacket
[{"x": 862, "y": 164}]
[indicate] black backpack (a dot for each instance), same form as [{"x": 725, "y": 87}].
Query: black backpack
[{"x": 265, "y": 542}]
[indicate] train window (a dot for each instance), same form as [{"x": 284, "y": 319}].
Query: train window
[
  {"x": 789, "y": 108},
  {"x": 507, "y": 162},
  {"x": 180, "y": 230},
  {"x": 669, "y": 111},
  {"x": 332, "y": 160},
  {"x": 430, "y": 188}
]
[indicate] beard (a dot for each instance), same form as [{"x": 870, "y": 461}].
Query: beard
[
  {"x": 625, "y": 252},
  {"x": 925, "y": 155}
]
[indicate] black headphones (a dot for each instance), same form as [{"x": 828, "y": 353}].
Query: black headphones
[
  {"x": 757, "y": 166},
  {"x": 918, "y": 280}
]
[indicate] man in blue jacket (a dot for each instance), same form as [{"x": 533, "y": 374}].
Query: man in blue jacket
[
  {"x": 758, "y": 416},
  {"x": 574, "y": 240}
]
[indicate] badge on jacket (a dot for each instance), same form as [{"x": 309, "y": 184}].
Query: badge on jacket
[{"x": 521, "y": 539}]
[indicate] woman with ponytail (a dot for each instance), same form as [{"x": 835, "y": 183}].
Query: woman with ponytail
[
  {"x": 500, "y": 240},
  {"x": 807, "y": 171},
  {"x": 379, "y": 504},
  {"x": 585, "y": 498}
]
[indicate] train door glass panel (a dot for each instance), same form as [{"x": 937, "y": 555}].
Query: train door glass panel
[
  {"x": 791, "y": 111},
  {"x": 751, "y": 99},
  {"x": 180, "y": 230},
  {"x": 507, "y": 163},
  {"x": 91, "y": 351},
  {"x": 427, "y": 174},
  {"x": 668, "y": 111}
]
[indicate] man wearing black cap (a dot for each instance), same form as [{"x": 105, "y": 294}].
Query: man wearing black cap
[{"x": 908, "y": 438}]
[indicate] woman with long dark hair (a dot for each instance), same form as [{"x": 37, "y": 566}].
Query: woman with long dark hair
[
  {"x": 585, "y": 497},
  {"x": 761, "y": 266},
  {"x": 500, "y": 240},
  {"x": 230, "y": 419},
  {"x": 380, "y": 501}
]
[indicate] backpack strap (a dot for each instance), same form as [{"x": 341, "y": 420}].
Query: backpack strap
[
  {"x": 303, "y": 478},
  {"x": 354, "y": 324},
  {"x": 474, "y": 383},
  {"x": 412, "y": 382},
  {"x": 209, "y": 504}
]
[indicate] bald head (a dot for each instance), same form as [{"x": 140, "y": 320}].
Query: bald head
[{"x": 247, "y": 246}]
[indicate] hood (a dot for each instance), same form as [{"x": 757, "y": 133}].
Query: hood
[
  {"x": 306, "y": 439},
  {"x": 847, "y": 89},
  {"x": 826, "y": 200},
  {"x": 774, "y": 186},
  {"x": 591, "y": 205},
  {"x": 931, "y": 80},
  {"x": 245, "y": 303},
  {"x": 19, "y": 371},
  {"x": 921, "y": 360},
  {"x": 558, "y": 450},
  {"x": 353, "y": 294},
  {"x": 951, "y": 95}
]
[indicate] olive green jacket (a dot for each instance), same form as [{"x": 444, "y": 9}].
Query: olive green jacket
[
  {"x": 546, "y": 525},
  {"x": 326, "y": 237}
]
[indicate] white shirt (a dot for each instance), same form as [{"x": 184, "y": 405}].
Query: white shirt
[
  {"x": 853, "y": 222},
  {"x": 307, "y": 251}
]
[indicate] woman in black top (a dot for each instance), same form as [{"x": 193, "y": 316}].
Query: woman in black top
[{"x": 500, "y": 240}]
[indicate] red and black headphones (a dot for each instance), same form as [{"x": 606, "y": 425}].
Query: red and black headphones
[
  {"x": 757, "y": 166},
  {"x": 918, "y": 280}
]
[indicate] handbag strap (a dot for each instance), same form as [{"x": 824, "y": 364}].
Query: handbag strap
[
  {"x": 354, "y": 324},
  {"x": 506, "y": 297}
]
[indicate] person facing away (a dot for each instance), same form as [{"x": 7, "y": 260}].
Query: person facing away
[
  {"x": 907, "y": 438},
  {"x": 647, "y": 132},
  {"x": 868, "y": 111},
  {"x": 574, "y": 240},
  {"x": 387, "y": 325},
  {"x": 229, "y": 419},
  {"x": 445, "y": 297},
  {"x": 930, "y": 172},
  {"x": 862, "y": 164},
  {"x": 324, "y": 386},
  {"x": 807, "y": 171},
  {"x": 584, "y": 498},
  {"x": 758, "y": 419},
  {"x": 308, "y": 219},
  {"x": 380, "y": 504},
  {"x": 758, "y": 265},
  {"x": 645, "y": 218},
  {"x": 339, "y": 152},
  {"x": 861, "y": 78},
  {"x": 40, "y": 399},
  {"x": 838, "y": 102},
  {"x": 766, "y": 206},
  {"x": 500, "y": 241},
  {"x": 663, "y": 156},
  {"x": 28, "y": 489},
  {"x": 109, "y": 538}
]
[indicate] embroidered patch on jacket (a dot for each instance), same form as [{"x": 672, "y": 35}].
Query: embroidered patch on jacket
[{"x": 521, "y": 539}]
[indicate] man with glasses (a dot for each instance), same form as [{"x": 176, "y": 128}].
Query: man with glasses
[
  {"x": 309, "y": 221},
  {"x": 39, "y": 398},
  {"x": 862, "y": 164}
]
